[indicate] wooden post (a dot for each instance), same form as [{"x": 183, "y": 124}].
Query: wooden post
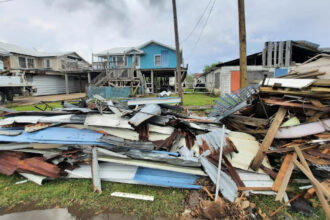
[
  {"x": 80, "y": 87},
  {"x": 175, "y": 82},
  {"x": 242, "y": 44},
  {"x": 66, "y": 83},
  {"x": 89, "y": 78},
  {"x": 268, "y": 140},
  {"x": 152, "y": 81},
  {"x": 178, "y": 54}
]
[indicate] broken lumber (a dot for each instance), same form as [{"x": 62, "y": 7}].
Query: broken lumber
[
  {"x": 286, "y": 179},
  {"x": 295, "y": 105},
  {"x": 255, "y": 165},
  {"x": 283, "y": 170}
]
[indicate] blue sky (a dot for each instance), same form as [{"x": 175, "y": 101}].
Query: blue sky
[{"x": 88, "y": 26}]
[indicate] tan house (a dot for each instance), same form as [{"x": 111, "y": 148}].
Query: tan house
[{"x": 50, "y": 73}]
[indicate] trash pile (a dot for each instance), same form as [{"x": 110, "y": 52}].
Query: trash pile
[{"x": 150, "y": 141}]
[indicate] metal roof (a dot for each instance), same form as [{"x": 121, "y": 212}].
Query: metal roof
[
  {"x": 12, "y": 48},
  {"x": 128, "y": 50}
]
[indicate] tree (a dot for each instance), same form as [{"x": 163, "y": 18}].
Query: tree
[
  {"x": 189, "y": 78},
  {"x": 209, "y": 67}
]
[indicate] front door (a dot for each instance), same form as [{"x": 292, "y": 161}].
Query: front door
[{"x": 235, "y": 81}]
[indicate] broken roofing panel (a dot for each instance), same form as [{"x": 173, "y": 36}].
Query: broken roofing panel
[
  {"x": 213, "y": 139},
  {"x": 144, "y": 114},
  {"x": 120, "y": 142},
  {"x": 153, "y": 156},
  {"x": 154, "y": 165},
  {"x": 228, "y": 187},
  {"x": 144, "y": 101},
  {"x": 230, "y": 103},
  {"x": 96, "y": 172},
  {"x": 107, "y": 120},
  {"x": 57, "y": 135}
]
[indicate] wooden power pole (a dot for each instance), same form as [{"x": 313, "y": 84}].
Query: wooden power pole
[
  {"x": 242, "y": 44},
  {"x": 178, "y": 54}
]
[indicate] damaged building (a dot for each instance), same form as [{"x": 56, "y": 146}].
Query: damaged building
[
  {"x": 48, "y": 73},
  {"x": 277, "y": 59},
  {"x": 148, "y": 68}
]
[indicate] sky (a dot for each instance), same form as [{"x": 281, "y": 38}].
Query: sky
[{"x": 88, "y": 26}]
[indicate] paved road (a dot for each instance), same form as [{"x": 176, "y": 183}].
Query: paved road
[{"x": 30, "y": 100}]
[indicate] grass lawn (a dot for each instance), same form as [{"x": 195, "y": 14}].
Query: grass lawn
[{"x": 198, "y": 99}]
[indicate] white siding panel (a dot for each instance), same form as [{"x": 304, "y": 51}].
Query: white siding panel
[{"x": 51, "y": 85}]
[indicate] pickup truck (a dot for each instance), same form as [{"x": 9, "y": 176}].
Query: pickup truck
[{"x": 11, "y": 85}]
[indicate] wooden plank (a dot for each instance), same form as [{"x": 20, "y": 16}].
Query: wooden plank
[
  {"x": 268, "y": 140},
  {"x": 319, "y": 188},
  {"x": 322, "y": 82},
  {"x": 293, "y": 92},
  {"x": 286, "y": 179},
  {"x": 320, "y": 89},
  {"x": 255, "y": 188},
  {"x": 295, "y": 105},
  {"x": 281, "y": 174},
  {"x": 256, "y": 122},
  {"x": 289, "y": 83}
]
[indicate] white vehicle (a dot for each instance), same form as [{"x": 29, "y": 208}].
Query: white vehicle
[{"x": 11, "y": 85}]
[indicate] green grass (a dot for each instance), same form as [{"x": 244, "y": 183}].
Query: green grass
[
  {"x": 198, "y": 99},
  {"x": 78, "y": 193},
  {"x": 32, "y": 108}
]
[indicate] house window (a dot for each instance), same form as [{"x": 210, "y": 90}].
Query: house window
[
  {"x": 158, "y": 60},
  {"x": 22, "y": 62},
  {"x": 30, "y": 63},
  {"x": 136, "y": 59},
  {"x": 47, "y": 63}
]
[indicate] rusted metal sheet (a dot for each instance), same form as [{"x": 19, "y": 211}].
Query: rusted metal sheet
[
  {"x": 9, "y": 161},
  {"x": 37, "y": 165}
]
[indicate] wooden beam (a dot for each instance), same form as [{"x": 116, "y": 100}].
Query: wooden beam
[
  {"x": 295, "y": 105},
  {"x": 268, "y": 140},
  {"x": 283, "y": 171},
  {"x": 242, "y": 44},
  {"x": 178, "y": 53},
  {"x": 286, "y": 179},
  {"x": 152, "y": 81}
]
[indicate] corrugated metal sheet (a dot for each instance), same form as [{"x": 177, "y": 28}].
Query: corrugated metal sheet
[
  {"x": 145, "y": 113},
  {"x": 163, "y": 100},
  {"x": 57, "y": 135},
  {"x": 50, "y": 85}
]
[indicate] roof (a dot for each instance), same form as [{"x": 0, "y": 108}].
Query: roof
[
  {"x": 197, "y": 75},
  {"x": 130, "y": 50},
  {"x": 156, "y": 42},
  {"x": 119, "y": 51},
  {"x": 12, "y": 48}
]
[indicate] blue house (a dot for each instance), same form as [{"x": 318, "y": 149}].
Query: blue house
[{"x": 152, "y": 64}]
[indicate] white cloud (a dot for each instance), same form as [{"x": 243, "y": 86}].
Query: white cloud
[{"x": 94, "y": 25}]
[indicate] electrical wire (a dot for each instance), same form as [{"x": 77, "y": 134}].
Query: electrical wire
[
  {"x": 201, "y": 33},
  {"x": 198, "y": 22}
]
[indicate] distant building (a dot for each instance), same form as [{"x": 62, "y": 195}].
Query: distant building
[
  {"x": 150, "y": 66},
  {"x": 276, "y": 59},
  {"x": 49, "y": 73}
]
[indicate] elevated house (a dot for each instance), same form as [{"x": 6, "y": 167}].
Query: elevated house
[
  {"x": 150, "y": 66},
  {"x": 49, "y": 73},
  {"x": 275, "y": 60}
]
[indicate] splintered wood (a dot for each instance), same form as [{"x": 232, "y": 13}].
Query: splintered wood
[{"x": 268, "y": 140}]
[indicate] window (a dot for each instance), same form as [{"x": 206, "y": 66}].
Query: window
[
  {"x": 158, "y": 60},
  {"x": 119, "y": 61},
  {"x": 30, "y": 63},
  {"x": 22, "y": 62},
  {"x": 47, "y": 63},
  {"x": 136, "y": 60}
]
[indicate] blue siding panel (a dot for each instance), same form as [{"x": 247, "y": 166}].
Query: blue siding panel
[
  {"x": 164, "y": 56},
  {"x": 148, "y": 59},
  {"x": 281, "y": 72}
]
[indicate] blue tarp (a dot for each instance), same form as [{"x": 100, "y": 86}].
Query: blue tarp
[
  {"x": 109, "y": 92},
  {"x": 165, "y": 178},
  {"x": 57, "y": 135}
]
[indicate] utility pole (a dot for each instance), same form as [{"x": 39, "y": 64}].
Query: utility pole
[
  {"x": 178, "y": 54},
  {"x": 242, "y": 44}
]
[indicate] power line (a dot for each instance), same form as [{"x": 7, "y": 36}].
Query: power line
[
  {"x": 198, "y": 21},
  {"x": 200, "y": 34}
]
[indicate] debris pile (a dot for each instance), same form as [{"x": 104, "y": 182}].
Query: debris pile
[{"x": 251, "y": 142}]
